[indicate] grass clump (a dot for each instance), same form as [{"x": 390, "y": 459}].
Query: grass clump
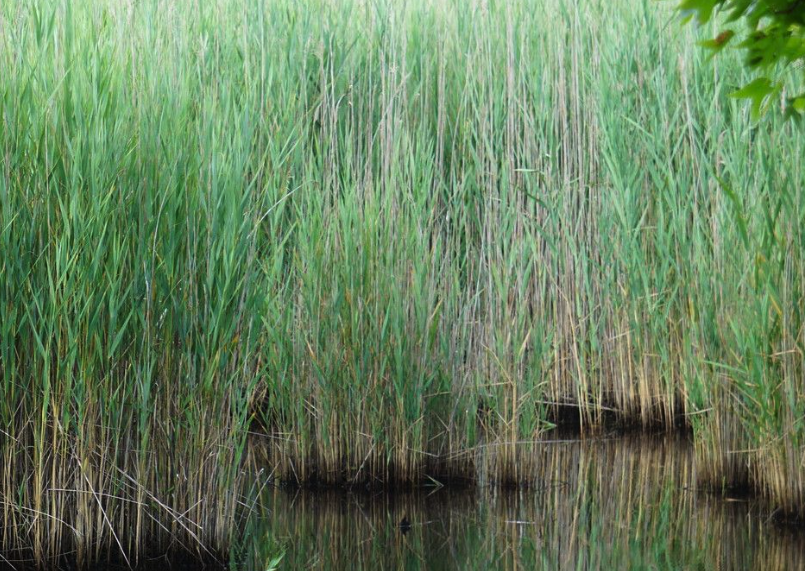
[{"x": 129, "y": 279}]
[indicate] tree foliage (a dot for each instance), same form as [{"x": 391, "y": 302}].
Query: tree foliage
[{"x": 772, "y": 37}]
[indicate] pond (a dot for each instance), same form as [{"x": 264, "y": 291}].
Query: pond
[{"x": 590, "y": 504}]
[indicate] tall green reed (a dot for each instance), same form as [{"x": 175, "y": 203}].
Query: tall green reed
[
  {"x": 382, "y": 236},
  {"x": 131, "y": 278}
]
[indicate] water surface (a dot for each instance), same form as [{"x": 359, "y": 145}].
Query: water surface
[{"x": 595, "y": 504}]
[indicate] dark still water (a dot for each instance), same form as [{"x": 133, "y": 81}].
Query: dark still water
[{"x": 598, "y": 504}]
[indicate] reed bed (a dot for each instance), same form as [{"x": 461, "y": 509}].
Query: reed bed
[
  {"x": 382, "y": 236},
  {"x": 130, "y": 280}
]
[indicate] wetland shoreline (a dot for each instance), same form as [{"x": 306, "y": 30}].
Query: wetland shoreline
[{"x": 396, "y": 238}]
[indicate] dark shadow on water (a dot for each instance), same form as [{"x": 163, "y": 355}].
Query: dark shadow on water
[{"x": 626, "y": 503}]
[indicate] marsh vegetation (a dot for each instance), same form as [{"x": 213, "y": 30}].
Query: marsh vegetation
[{"x": 376, "y": 238}]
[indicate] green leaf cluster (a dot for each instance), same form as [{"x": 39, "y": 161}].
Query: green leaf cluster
[{"x": 772, "y": 38}]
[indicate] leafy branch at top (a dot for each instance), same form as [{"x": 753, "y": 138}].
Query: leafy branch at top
[{"x": 773, "y": 39}]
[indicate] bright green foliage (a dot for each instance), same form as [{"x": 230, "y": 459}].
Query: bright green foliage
[{"x": 772, "y": 35}]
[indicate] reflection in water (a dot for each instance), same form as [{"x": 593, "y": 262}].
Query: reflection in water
[{"x": 603, "y": 504}]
